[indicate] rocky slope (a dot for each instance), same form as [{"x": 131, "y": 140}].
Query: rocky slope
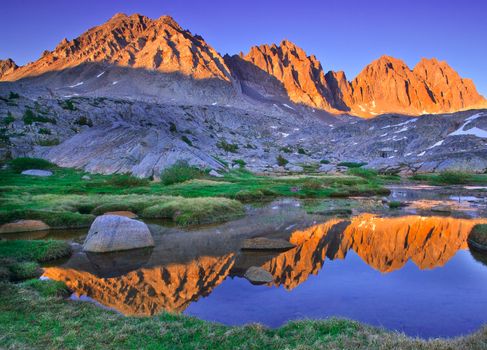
[{"x": 107, "y": 102}]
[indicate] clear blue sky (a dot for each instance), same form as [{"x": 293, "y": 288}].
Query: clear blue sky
[{"x": 343, "y": 34}]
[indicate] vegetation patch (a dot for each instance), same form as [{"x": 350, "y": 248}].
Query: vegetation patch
[
  {"x": 30, "y": 117},
  {"x": 47, "y": 288},
  {"x": 34, "y": 250},
  {"x": 479, "y": 235},
  {"x": 281, "y": 161},
  {"x": 187, "y": 140},
  {"x": 227, "y": 147},
  {"x": 192, "y": 211},
  {"x": 181, "y": 171},
  {"x": 352, "y": 164},
  {"x": 20, "y": 164},
  {"x": 365, "y": 173},
  {"x": 30, "y": 317},
  {"x": 451, "y": 178}
]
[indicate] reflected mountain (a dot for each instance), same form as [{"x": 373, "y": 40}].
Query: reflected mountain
[{"x": 187, "y": 265}]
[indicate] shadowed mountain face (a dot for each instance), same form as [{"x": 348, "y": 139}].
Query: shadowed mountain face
[
  {"x": 267, "y": 73},
  {"x": 385, "y": 244}
]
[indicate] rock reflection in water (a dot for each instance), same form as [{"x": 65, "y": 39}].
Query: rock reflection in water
[{"x": 150, "y": 282}]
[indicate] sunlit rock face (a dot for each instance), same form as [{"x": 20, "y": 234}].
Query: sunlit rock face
[
  {"x": 133, "y": 41},
  {"x": 385, "y": 244},
  {"x": 148, "y": 291}
]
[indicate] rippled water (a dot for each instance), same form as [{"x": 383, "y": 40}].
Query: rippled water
[{"x": 409, "y": 270}]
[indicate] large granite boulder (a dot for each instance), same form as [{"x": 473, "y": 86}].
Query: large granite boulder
[{"x": 110, "y": 233}]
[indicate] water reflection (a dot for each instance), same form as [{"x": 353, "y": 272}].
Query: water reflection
[{"x": 185, "y": 267}]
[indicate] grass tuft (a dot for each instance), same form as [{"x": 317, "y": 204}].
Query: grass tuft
[{"x": 34, "y": 250}]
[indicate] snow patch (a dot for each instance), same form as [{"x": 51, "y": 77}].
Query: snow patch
[
  {"x": 481, "y": 133},
  {"x": 288, "y": 106},
  {"x": 401, "y": 130},
  {"x": 284, "y": 134},
  {"x": 78, "y": 84},
  {"x": 214, "y": 103},
  {"x": 439, "y": 143},
  {"x": 115, "y": 82},
  {"x": 421, "y": 154},
  {"x": 99, "y": 75}
]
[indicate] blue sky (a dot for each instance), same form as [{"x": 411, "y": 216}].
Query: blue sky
[{"x": 343, "y": 34}]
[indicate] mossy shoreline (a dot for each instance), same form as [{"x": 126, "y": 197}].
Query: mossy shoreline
[{"x": 35, "y": 315}]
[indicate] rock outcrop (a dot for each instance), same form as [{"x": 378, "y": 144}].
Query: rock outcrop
[
  {"x": 111, "y": 233},
  {"x": 7, "y": 67},
  {"x": 24, "y": 226}
]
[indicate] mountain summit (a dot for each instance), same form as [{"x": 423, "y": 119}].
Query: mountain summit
[{"x": 134, "y": 47}]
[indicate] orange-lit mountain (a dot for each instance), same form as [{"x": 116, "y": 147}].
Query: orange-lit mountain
[
  {"x": 274, "y": 73},
  {"x": 149, "y": 291},
  {"x": 133, "y": 41}
]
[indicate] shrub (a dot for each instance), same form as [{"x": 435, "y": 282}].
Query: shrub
[
  {"x": 351, "y": 164},
  {"x": 181, "y": 171},
  {"x": 365, "y": 173},
  {"x": 281, "y": 161},
  {"x": 13, "y": 95},
  {"x": 187, "y": 140},
  {"x": 312, "y": 185},
  {"x": 286, "y": 149},
  {"x": 249, "y": 195},
  {"x": 453, "y": 178},
  {"x": 44, "y": 131},
  {"x": 302, "y": 151},
  {"x": 172, "y": 127},
  {"x": 227, "y": 147},
  {"x": 84, "y": 121},
  {"x": 395, "y": 204},
  {"x": 240, "y": 162},
  {"x": 67, "y": 105},
  {"x": 30, "y": 117},
  {"x": 324, "y": 161},
  {"x": 9, "y": 119},
  {"x": 20, "y": 164}
]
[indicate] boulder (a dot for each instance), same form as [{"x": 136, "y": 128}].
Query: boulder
[
  {"x": 294, "y": 168},
  {"x": 214, "y": 173},
  {"x": 24, "y": 226},
  {"x": 110, "y": 233},
  {"x": 85, "y": 177},
  {"x": 327, "y": 168},
  {"x": 257, "y": 275},
  {"x": 126, "y": 213},
  {"x": 262, "y": 243},
  {"x": 37, "y": 172}
]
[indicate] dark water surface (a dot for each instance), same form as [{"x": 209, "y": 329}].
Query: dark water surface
[{"x": 409, "y": 270}]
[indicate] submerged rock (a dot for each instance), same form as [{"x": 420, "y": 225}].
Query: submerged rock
[
  {"x": 257, "y": 275},
  {"x": 262, "y": 243},
  {"x": 110, "y": 233},
  {"x": 37, "y": 172},
  {"x": 24, "y": 226}
]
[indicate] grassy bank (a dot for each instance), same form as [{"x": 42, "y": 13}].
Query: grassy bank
[
  {"x": 34, "y": 315},
  {"x": 186, "y": 195},
  {"x": 451, "y": 178}
]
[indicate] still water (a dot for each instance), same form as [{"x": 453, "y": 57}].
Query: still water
[{"x": 407, "y": 269}]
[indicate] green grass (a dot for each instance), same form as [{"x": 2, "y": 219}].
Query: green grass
[
  {"x": 365, "y": 173},
  {"x": 227, "y": 147},
  {"x": 281, "y": 161},
  {"x": 20, "y": 164},
  {"x": 451, "y": 178},
  {"x": 22, "y": 270},
  {"x": 34, "y": 250},
  {"x": 395, "y": 204},
  {"x": 351, "y": 164},
  {"x": 181, "y": 171},
  {"x": 33, "y": 315},
  {"x": 64, "y": 200},
  {"x": 47, "y": 288},
  {"x": 192, "y": 211}
]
